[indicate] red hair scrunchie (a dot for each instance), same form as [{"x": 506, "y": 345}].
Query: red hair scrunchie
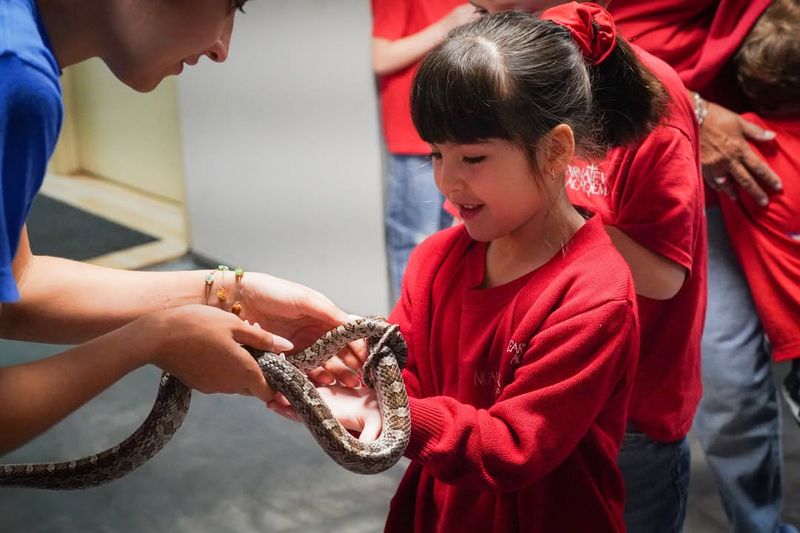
[{"x": 596, "y": 41}]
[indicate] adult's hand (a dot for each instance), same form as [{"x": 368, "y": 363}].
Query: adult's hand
[
  {"x": 301, "y": 315},
  {"x": 201, "y": 346},
  {"x": 728, "y": 161}
]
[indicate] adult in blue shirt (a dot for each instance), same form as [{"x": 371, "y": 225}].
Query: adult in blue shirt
[{"x": 119, "y": 320}]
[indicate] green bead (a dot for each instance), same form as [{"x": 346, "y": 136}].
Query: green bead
[{"x": 239, "y": 272}]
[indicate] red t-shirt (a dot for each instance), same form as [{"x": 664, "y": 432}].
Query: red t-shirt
[
  {"x": 392, "y": 20},
  {"x": 517, "y": 392},
  {"x": 695, "y": 37},
  {"x": 767, "y": 239},
  {"x": 652, "y": 191}
]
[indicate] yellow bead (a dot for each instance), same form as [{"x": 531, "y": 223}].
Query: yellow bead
[{"x": 222, "y": 294}]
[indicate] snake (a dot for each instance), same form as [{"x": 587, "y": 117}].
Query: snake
[{"x": 382, "y": 371}]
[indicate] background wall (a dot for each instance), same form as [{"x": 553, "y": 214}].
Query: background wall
[
  {"x": 114, "y": 132},
  {"x": 282, "y": 150}
]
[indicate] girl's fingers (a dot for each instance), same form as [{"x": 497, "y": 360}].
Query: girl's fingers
[
  {"x": 372, "y": 429},
  {"x": 342, "y": 373}
]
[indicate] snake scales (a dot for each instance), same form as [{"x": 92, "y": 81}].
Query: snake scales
[{"x": 286, "y": 374}]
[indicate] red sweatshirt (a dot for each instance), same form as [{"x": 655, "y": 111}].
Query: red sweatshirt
[
  {"x": 652, "y": 191},
  {"x": 517, "y": 392}
]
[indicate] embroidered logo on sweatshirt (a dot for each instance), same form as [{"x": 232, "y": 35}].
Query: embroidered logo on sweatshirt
[
  {"x": 516, "y": 349},
  {"x": 589, "y": 180},
  {"x": 488, "y": 378}
]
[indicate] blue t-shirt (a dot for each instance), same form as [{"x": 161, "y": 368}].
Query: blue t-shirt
[{"x": 31, "y": 111}]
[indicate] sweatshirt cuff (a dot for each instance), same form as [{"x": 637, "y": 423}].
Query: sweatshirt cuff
[{"x": 427, "y": 427}]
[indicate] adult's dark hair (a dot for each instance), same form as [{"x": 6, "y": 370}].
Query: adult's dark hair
[
  {"x": 768, "y": 63},
  {"x": 512, "y": 76}
]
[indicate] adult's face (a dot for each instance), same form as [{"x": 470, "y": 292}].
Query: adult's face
[{"x": 152, "y": 39}]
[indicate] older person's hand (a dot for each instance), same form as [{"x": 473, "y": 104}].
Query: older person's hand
[{"x": 728, "y": 161}]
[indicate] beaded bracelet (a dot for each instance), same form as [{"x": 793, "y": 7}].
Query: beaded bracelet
[
  {"x": 236, "y": 308},
  {"x": 222, "y": 292}
]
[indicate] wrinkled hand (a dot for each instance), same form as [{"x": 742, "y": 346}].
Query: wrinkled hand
[
  {"x": 301, "y": 315},
  {"x": 201, "y": 346},
  {"x": 727, "y": 159},
  {"x": 459, "y": 15},
  {"x": 356, "y": 409}
]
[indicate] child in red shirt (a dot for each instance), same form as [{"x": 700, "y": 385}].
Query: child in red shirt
[
  {"x": 766, "y": 240},
  {"x": 521, "y": 323},
  {"x": 649, "y": 195},
  {"x": 403, "y": 32}
]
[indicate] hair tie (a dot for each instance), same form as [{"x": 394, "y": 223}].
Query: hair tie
[{"x": 591, "y": 26}]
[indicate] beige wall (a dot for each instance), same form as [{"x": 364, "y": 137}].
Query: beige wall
[
  {"x": 282, "y": 151},
  {"x": 115, "y": 132}
]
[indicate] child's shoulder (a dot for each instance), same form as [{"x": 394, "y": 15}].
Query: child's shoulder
[{"x": 593, "y": 268}]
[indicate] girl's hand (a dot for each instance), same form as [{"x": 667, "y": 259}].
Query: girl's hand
[
  {"x": 356, "y": 409},
  {"x": 725, "y": 154},
  {"x": 200, "y": 345},
  {"x": 301, "y": 315}
]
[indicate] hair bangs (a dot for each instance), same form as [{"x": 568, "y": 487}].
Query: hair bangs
[{"x": 458, "y": 95}]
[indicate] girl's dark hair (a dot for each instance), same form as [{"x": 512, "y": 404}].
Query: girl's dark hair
[
  {"x": 512, "y": 76},
  {"x": 768, "y": 63}
]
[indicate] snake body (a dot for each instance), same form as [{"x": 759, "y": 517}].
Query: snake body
[{"x": 286, "y": 374}]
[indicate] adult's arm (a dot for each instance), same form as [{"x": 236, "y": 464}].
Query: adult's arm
[{"x": 391, "y": 55}]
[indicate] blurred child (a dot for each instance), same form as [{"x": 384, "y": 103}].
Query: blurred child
[
  {"x": 403, "y": 32},
  {"x": 766, "y": 240}
]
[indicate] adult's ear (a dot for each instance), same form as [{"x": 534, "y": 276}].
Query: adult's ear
[{"x": 555, "y": 150}]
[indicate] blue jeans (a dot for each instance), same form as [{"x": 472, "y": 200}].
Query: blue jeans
[
  {"x": 738, "y": 422},
  {"x": 413, "y": 211},
  {"x": 656, "y": 483}
]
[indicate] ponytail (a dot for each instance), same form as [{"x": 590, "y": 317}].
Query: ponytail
[{"x": 628, "y": 100}]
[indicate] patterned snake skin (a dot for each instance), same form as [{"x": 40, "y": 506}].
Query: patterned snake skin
[{"x": 286, "y": 374}]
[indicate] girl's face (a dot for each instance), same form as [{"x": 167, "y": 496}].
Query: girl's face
[
  {"x": 492, "y": 186},
  {"x": 156, "y": 38}
]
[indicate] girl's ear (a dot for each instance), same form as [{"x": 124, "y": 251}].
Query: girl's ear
[{"x": 555, "y": 150}]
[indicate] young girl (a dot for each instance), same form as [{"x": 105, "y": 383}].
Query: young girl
[
  {"x": 649, "y": 196},
  {"x": 521, "y": 323}
]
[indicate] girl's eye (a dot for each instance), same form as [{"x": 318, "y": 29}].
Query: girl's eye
[
  {"x": 435, "y": 156},
  {"x": 474, "y": 160}
]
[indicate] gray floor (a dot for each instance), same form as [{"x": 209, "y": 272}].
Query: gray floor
[{"x": 235, "y": 467}]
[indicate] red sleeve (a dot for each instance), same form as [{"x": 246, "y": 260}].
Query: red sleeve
[
  {"x": 389, "y": 18},
  {"x": 564, "y": 381},
  {"x": 659, "y": 209},
  {"x": 402, "y": 315}
]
